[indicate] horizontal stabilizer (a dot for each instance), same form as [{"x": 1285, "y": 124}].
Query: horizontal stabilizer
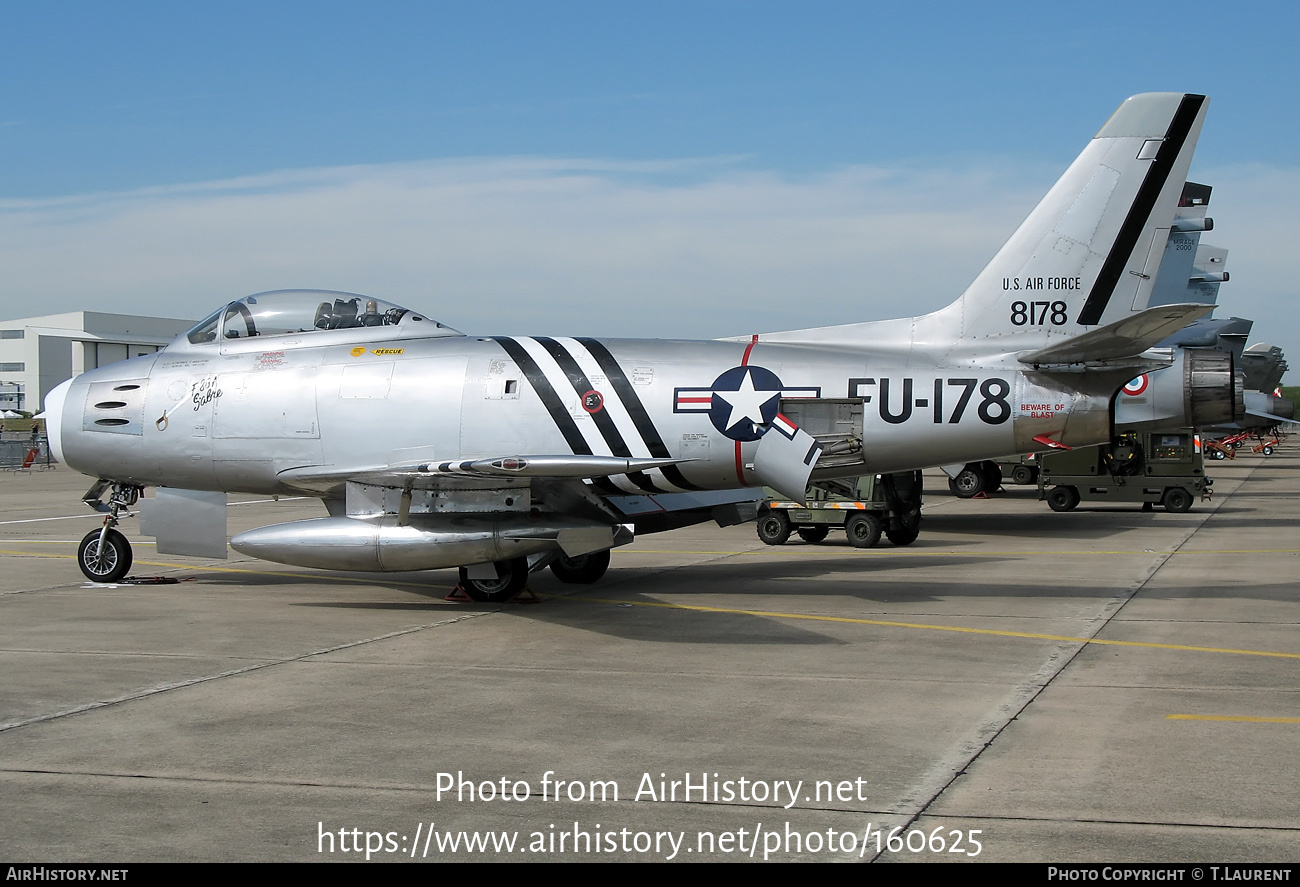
[
  {"x": 1124, "y": 338},
  {"x": 1270, "y": 418}
]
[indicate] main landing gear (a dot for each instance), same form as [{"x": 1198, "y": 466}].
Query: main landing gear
[
  {"x": 512, "y": 576},
  {"x": 104, "y": 555},
  {"x": 581, "y": 570},
  {"x": 978, "y": 477}
]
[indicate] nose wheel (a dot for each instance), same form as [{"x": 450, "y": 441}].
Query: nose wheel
[{"x": 104, "y": 555}]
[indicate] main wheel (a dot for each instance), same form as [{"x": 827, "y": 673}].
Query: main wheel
[
  {"x": 863, "y": 530},
  {"x": 969, "y": 482},
  {"x": 903, "y": 535},
  {"x": 112, "y": 564},
  {"x": 1177, "y": 499},
  {"x": 992, "y": 476},
  {"x": 583, "y": 569},
  {"x": 814, "y": 534},
  {"x": 1022, "y": 474},
  {"x": 512, "y": 575},
  {"x": 1062, "y": 498},
  {"x": 773, "y": 527}
]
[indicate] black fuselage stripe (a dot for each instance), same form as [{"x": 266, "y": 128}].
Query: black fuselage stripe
[
  {"x": 537, "y": 379},
  {"x": 645, "y": 426},
  {"x": 605, "y": 485},
  {"x": 604, "y": 422},
  {"x": 1135, "y": 223},
  {"x": 581, "y": 385}
]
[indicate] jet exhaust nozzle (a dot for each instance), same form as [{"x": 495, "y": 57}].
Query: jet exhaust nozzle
[
  {"x": 1215, "y": 390},
  {"x": 1201, "y": 388}
]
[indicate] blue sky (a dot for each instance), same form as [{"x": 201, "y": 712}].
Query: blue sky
[{"x": 692, "y": 169}]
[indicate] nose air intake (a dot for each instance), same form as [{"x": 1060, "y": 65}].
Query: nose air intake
[{"x": 53, "y": 417}]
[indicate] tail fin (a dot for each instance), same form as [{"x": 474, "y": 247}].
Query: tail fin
[
  {"x": 1088, "y": 253},
  {"x": 1086, "y": 257}
]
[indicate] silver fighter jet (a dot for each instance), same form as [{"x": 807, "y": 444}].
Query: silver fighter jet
[{"x": 502, "y": 455}]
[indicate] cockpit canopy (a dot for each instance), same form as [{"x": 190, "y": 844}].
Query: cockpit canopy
[{"x": 282, "y": 312}]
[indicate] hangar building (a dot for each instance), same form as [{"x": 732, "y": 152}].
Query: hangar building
[{"x": 37, "y": 353}]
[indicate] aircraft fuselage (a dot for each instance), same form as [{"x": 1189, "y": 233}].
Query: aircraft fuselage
[{"x": 236, "y": 416}]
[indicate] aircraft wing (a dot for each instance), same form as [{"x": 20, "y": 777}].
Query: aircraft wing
[
  {"x": 471, "y": 473},
  {"x": 1122, "y": 339}
]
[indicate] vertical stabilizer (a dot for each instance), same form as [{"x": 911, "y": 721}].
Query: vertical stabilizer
[
  {"x": 1088, "y": 253},
  {"x": 1086, "y": 258}
]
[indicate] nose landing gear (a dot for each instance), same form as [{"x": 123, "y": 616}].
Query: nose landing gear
[{"x": 104, "y": 555}]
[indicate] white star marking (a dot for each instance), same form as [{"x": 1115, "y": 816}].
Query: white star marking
[{"x": 746, "y": 403}]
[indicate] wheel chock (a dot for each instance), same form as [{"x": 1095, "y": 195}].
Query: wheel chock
[{"x": 525, "y": 596}]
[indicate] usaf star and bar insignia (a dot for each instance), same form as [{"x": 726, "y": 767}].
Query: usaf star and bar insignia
[{"x": 742, "y": 403}]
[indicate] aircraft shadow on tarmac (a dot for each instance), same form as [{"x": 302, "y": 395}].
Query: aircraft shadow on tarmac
[
  {"x": 629, "y": 602},
  {"x": 1082, "y": 525},
  {"x": 767, "y": 587},
  {"x": 1248, "y": 517}
]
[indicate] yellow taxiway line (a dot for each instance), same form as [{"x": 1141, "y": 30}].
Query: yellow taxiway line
[
  {"x": 851, "y": 620},
  {"x": 1247, "y": 719},
  {"x": 772, "y": 614}
]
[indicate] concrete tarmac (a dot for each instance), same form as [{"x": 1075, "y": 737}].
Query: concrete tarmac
[{"x": 1104, "y": 685}]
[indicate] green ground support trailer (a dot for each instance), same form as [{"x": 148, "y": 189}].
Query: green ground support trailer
[
  {"x": 1159, "y": 467},
  {"x": 866, "y": 509}
]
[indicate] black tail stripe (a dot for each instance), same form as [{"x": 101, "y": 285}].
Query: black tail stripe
[
  {"x": 604, "y": 423},
  {"x": 536, "y": 378},
  {"x": 645, "y": 426},
  {"x": 1136, "y": 220}
]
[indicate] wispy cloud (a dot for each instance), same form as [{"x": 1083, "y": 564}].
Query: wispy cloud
[{"x": 551, "y": 245}]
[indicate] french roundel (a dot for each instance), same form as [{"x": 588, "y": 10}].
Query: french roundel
[{"x": 1136, "y": 386}]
